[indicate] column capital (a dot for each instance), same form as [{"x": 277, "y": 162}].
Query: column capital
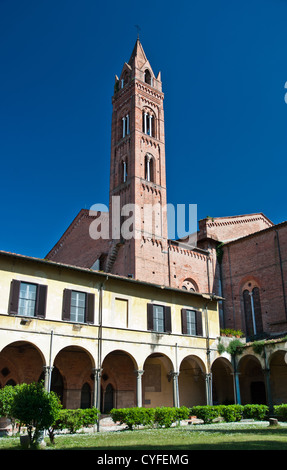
[{"x": 174, "y": 374}]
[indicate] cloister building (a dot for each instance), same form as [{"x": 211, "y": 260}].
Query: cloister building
[{"x": 119, "y": 315}]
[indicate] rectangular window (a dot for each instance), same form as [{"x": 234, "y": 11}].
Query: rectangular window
[
  {"x": 78, "y": 306},
  {"x": 27, "y": 299},
  {"x": 159, "y": 318},
  {"x": 191, "y": 322}
]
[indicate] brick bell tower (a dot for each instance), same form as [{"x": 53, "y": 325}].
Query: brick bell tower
[{"x": 137, "y": 174}]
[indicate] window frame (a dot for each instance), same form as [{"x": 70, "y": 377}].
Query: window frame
[
  {"x": 40, "y": 300},
  {"x": 198, "y": 321},
  {"x": 89, "y": 306},
  {"x": 151, "y": 325}
]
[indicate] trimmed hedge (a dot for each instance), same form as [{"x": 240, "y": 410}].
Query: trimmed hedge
[
  {"x": 166, "y": 416},
  {"x": 280, "y": 412},
  {"x": 160, "y": 416},
  {"x": 73, "y": 420},
  {"x": 230, "y": 413}
]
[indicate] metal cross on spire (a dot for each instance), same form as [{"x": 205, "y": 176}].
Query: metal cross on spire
[{"x": 138, "y": 30}]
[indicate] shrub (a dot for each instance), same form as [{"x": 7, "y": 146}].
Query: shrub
[
  {"x": 36, "y": 408},
  {"x": 73, "y": 420},
  {"x": 257, "y": 412},
  {"x": 280, "y": 412},
  {"x": 207, "y": 413},
  {"x": 133, "y": 416},
  {"x": 89, "y": 416},
  {"x": 182, "y": 413},
  {"x": 235, "y": 347},
  {"x": 164, "y": 416},
  {"x": 7, "y": 395},
  {"x": 161, "y": 416},
  {"x": 231, "y": 413}
]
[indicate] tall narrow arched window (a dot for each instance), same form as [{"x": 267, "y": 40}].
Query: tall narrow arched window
[
  {"x": 148, "y": 77},
  {"x": 125, "y": 125},
  {"x": 149, "y": 168},
  {"x": 123, "y": 171},
  {"x": 252, "y": 311},
  {"x": 148, "y": 123},
  {"x": 124, "y": 79}
]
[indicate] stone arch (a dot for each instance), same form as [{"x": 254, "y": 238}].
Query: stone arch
[
  {"x": 222, "y": 382},
  {"x": 157, "y": 381},
  {"x": 189, "y": 284},
  {"x": 278, "y": 376},
  {"x": 251, "y": 380},
  {"x": 75, "y": 365},
  {"x": 191, "y": 381},
  {"x": 118, "y": 374},
  {"x": 21, "y": 361}
]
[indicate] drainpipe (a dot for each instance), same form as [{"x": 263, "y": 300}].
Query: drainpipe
[
  {"x": 208, "y": 375},
  {"x": 98, "y": 370},
  {"x": 50, "y": 361},
  {"x": 175, "y": 378}
]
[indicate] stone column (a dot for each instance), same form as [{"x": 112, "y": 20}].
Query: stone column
[
  {"x": 145, "y": 123},
  {"x": 127, "y": 124},
  {"x": 269, "y": 399},
  {"x": 124, "y": 126},
  {"x": 175, "y": 388},
  {"x": 125, "y": 171},
  {"x": 150, "y": 124},
  {"x": 139, "y": 374},
  {"x": 208, "y": 386},
  {"x": 48, "y": 377},
  {"x": 97, "y": 388},
  {"x": 148, "y": 168}
]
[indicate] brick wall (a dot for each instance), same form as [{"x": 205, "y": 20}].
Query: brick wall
[{"x": 257, "y": 260}]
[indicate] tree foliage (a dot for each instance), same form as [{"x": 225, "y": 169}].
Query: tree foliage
[{"x": 35, "y": 408}]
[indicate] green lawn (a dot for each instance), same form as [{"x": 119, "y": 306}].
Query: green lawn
[{"x": 222, "y": 436}]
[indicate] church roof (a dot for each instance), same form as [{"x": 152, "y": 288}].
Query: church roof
[{"x": 76, "y": 246}]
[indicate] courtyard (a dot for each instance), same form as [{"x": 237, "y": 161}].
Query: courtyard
[{"x": 217, "y": 436}]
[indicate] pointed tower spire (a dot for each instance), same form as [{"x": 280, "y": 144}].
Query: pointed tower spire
[{"x": 138, "y": 55}]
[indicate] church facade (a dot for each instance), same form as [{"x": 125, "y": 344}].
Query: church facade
[{"x": 117, "y": 314}]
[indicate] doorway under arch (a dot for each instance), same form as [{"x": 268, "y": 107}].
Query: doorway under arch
[
  {"x": 251, "y": 379},
  {"x": 222, "y": 382},
  {"x": 118, "y": 381}
]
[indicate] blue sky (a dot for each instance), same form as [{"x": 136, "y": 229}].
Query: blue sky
[{"x": 224, "y": 68}]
